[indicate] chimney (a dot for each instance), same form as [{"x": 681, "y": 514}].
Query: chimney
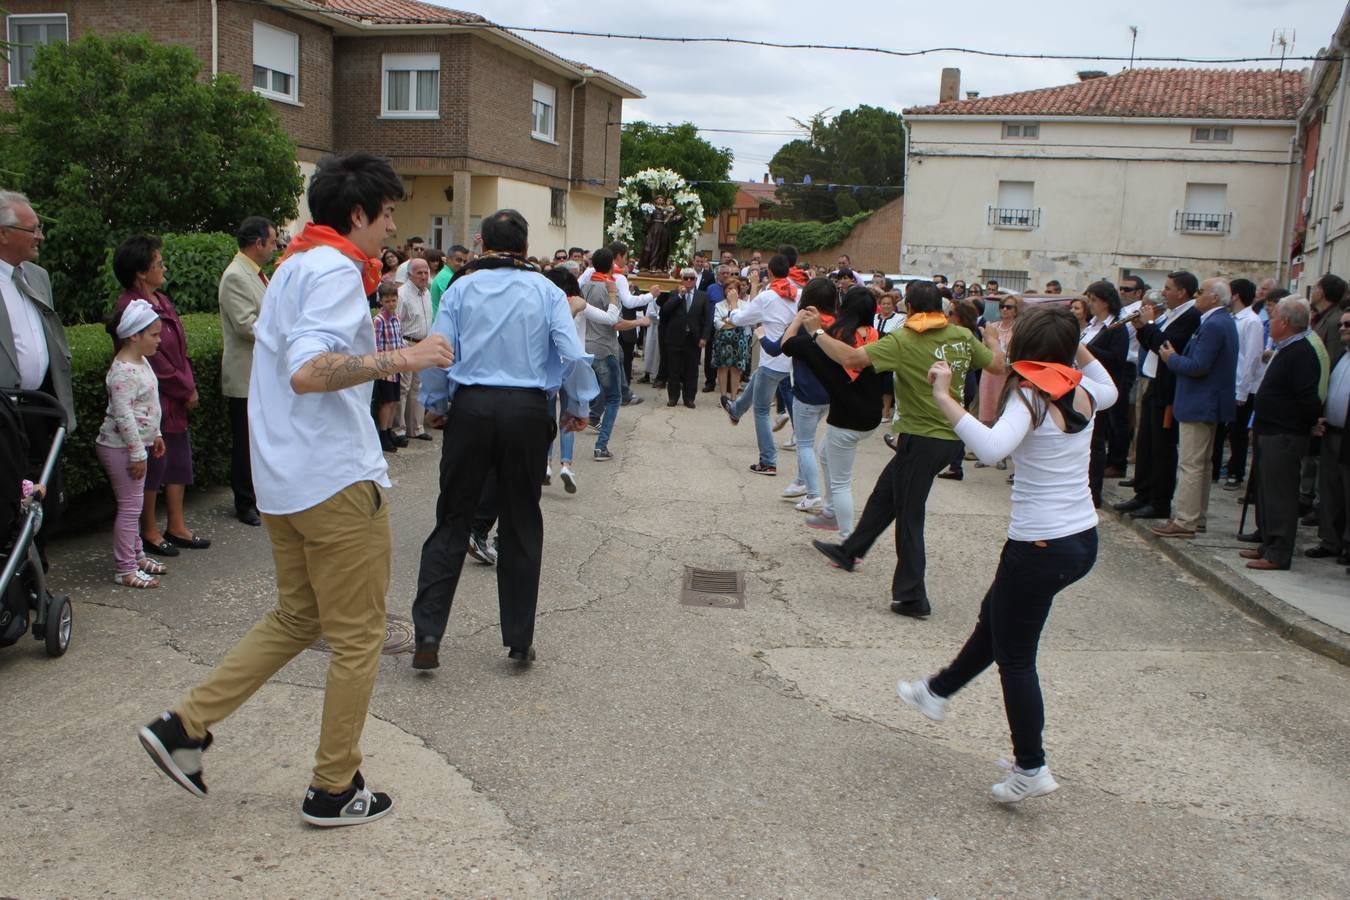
[
  {"x": 950, "y": 88},
  {"x": 1089, "y": 74},
  {"x": 971, "y": 95},
  {"x": 766, "y": 177}
]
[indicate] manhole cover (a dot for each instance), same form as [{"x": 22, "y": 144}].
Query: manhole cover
[
  {"x": 399, "y": 637},
  {"x": 721, "y": 588}
]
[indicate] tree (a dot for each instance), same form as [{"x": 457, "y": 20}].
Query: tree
[
  {"x": 863, "y": 146},
  {"x": 679, "y": 148},
  {"x": 114, "y": 136}
]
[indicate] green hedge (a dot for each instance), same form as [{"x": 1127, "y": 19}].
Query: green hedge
[
  {"x": 193, "y": 265},
  {"x": 766, "y": 234},
  {"x": 91, "y": 353}
]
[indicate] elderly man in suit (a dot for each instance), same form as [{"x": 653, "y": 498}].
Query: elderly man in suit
[
  {"x": 34, "y": 355},
  {"x": 686, "y": 326},
  {"x": 241, "y": 295},
  {"x": 1206, "y": 395}
]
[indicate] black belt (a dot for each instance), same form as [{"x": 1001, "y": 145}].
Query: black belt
[
  {"x": 533, "y": 392},
  {"x": 1332, "y": 429}
]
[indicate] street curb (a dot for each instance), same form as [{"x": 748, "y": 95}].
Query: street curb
[{"x": 1287, "y": 621}]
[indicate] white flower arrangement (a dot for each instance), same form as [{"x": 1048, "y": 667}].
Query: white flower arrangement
[{"x": 634, "y": 204}]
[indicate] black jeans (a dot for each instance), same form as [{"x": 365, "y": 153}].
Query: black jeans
[
  {"x": 241, "y": 466},
  {"x": 901, "y": 495},
  {"x": 502, "y": 432},
  {"x": 1155, "y": 459},
  {"x": 1008, "y": 632},
  {"x": 1237, "y": 440},
  {"x": 1121, "y": 433}
]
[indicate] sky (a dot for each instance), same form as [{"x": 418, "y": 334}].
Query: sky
[{"x": 723, "y": 86}]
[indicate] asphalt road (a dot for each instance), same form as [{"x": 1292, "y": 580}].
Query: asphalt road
[{"x": 661, "y": 750}]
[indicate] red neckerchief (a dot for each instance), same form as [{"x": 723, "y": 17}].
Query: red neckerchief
[
  {"x": 797, "y": 275},
  {"x": 1055, "y": 379},
  {"x": 862, "y": 336},
  {"x": 602, "y": 276},
  {"x": 784, "y": 288},
  {"x": 322, "y": 236}
]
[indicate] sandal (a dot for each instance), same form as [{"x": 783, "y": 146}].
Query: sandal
[
  {"x": 136, "y": 580},
  {"x": 150, "y": 566}
]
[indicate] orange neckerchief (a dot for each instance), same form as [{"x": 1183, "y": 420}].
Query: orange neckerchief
[
  {"x": 602, "y": 276},
  {"x": 784, "y": 288},
  {"x": 1055, "y": 379},
  {"x": 927, "y": 321},
  {"x": 797, "y": 276},
  {"x": 322, "y": 236},
  {"x": 862, "y": 336}
]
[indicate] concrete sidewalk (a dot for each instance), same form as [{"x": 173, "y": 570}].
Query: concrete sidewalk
[{"x": 1308, "y": 604}]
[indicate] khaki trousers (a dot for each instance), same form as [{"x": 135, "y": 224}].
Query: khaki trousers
[
  {"x": 332, "y": 564},
  {"x": 408, "y": 414},
  {"x": 1193, "y": 471}
]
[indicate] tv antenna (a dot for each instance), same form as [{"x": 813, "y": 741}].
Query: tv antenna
[
  {"x": 1134, "y": 36},
  {"x": 1283, "y": 39}
]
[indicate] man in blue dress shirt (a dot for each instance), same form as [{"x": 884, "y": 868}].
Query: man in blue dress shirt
[{"x": 514, "y": 341}]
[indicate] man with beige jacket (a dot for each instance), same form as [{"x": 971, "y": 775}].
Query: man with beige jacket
[{"x": 241, "y": 294}]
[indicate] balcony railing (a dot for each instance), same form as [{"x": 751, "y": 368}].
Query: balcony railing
[
  {"x": 1203, "y": 222},
  {"x": 1022, "y": 219}
]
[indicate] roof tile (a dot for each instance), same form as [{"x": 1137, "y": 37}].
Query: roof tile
[
  {"x": 398, "y": 12},
  {"x": 1151, "y": 93}
]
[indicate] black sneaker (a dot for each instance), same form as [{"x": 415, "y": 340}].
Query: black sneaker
[
  {"x": 836, "y": 555},
  {"x": 915, "y": 609},
  {"x": 481, "y": 550},
  {"x": 602, "y": 454},
  {"x": 176, "y": 754},
  {"x": 354, "y": 806}
]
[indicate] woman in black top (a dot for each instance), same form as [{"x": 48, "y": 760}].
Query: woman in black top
[
  {"x": 1110, "y": 345},
  {"x": 855, "y": 400}
]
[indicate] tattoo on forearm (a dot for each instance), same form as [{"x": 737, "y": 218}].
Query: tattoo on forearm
[{"x": 336, "y": 371}]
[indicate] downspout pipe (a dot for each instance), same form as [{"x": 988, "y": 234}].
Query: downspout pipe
[
  {"x": 572, "y": 124},
  {"x": 215, "y": 37}
]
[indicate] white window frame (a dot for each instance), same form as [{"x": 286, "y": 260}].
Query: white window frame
[
  {"x": 1209, "y": 134},
  {"x": 47, "y": 19},
  {"x": 545, "y": 94},
  {"x": 279, "y": 34},
  {"x": 1021, "y": 131},
  {"x": 439, "y": 234},
  {"x": 415, "y": 64}
]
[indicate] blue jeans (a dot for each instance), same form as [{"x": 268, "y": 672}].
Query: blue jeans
[
  {"x": 610, "y": 375},
  {"x": 1008, "y": 632},
  {"x": 805, "y": 418},
  {"x": 836, "y": 464},
  {"x": 557, "y": 402},
  {"x": 759, "y": 395}
]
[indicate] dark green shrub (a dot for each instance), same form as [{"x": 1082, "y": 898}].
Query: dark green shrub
[
  {"x": 91, "y": 353},
  {"x": 767, "y": 234},
  {"x": 193, "y": 264}
]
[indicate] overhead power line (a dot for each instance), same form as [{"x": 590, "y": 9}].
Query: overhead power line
[{"x": 888, "y": 51}]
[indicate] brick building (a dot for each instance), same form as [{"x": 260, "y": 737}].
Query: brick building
[{"x": 473, "y": 117}]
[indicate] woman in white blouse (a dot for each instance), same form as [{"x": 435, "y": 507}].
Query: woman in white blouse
[{"x": 1045, "y": 422}]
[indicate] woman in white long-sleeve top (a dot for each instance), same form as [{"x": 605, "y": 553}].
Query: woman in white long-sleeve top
[{"x": 1045, "y": 423}]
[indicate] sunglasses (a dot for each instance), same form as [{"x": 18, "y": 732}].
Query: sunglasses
[
  {"x": 1345, "y": 324},
  {"x": 1008, "y": 306},
  {"x": 688, "y": 278}
]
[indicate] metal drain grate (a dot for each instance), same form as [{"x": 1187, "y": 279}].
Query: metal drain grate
[
  {"x": 719, "y": 588},
  {"x": 399, "y": 637}
]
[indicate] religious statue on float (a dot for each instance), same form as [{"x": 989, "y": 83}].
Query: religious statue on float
[{"x": 660, "y": 216}]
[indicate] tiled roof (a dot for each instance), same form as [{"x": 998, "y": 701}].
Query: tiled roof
[
  {"x": 761, "y": 192},
  {"x": 1150, "y": 93},
  {"x": 398, "y": 12}
]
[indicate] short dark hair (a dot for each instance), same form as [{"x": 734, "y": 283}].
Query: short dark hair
[
  {"x": 602, "y": 260},
  {"x": 134, "y": 256},
  {"x": 387, "y": 289},
  {"x": 433, "y": 255},
  {"x": 618, "y": 248},
  {"x": 570, "y": 250},
  {"x": 847, "y": 257},
  {"x": 1055, "y": 282},
  {"x": 1186, "y": 281},
  {"x": 1333, "y": 288},
  {"x": 458, "y": 248},
  {"x": 1105, "y": 291},
  {"x": 790, "y": 253},
  {"x": 779, "y": 265},
  {"x": 820, "y": 293},
  {"x": 923, "y": 296},
  {"x": 506, "y": 230},
  {"x": 1138, "y": 280},
  {"x": 1244, "y": 289},
  {"x": 565, "y": 280},
  {"x": 344, "y": 181},
  {"x": 416, "y": 239},
  {"x": 252, "y": 230}
]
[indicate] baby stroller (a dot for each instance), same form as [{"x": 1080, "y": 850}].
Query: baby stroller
[{"x": 23, "y": 585}]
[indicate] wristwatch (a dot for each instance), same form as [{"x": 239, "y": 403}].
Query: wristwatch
[{"x": 818, "y": 332}]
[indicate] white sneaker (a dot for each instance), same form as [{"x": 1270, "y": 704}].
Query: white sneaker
[
  {"x": 917, "y": 695},
  {"x": 794, "y": 490},
  {"x": 790, "y": 445},
  {"x": 781, "y": 420},
  {"x": 548, "y": 475},
  {"x": 568, "y": 479},
  {"x": 1022, "y": 784},
  {"x": 809, "y": 505}
]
